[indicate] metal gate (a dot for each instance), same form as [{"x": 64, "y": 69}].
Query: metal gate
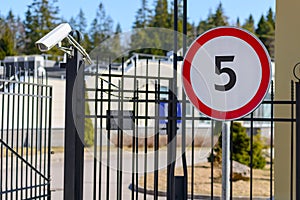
[
  {"x": 148, "y": 142},
  {"x": 25, "y": 136}
]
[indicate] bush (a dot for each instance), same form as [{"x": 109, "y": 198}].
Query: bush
[
  {"x": 88, "y": 126},
  {"x": 241, "y": 148}
]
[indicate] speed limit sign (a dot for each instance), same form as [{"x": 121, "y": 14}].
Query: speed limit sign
[{"x": 226, "y": 73}]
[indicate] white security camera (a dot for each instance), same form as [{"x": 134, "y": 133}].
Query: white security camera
[{"x": 54, "y": 37}]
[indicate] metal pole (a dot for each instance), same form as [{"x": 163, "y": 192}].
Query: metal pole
[
  {"x": 172, "y": 115},
  {"x": 73, "y": 154},
  {"x": 298, "y": 140},
  {"x": 226, "y": 161}
]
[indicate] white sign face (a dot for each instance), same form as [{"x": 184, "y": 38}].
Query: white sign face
[{"x": 226, "y": 73}]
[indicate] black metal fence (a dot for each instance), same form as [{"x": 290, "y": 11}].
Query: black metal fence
[
  {"x": 25, "y": 136},
  {"x": 138, "y": 154}
]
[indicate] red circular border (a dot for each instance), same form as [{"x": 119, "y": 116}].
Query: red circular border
[{"x": 265, "y": 65}]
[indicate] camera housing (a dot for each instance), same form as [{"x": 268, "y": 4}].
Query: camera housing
[{"x": 54, "y": 37}]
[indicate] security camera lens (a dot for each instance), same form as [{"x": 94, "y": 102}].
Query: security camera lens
[{"x": 42, "y": 47}]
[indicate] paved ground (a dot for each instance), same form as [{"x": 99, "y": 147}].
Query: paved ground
[
  {"x": 57, "y": 175},
  {"x": 57, "y": 172}
]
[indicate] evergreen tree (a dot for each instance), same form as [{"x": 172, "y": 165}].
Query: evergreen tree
[
  {"x": 271, "y": 18},
  {"x": 241, "y": 148},
  {"x": 219, "y": 19},
  {"x": 101, "y": 27},
  {"x": 266, "y": 34},
  {"x": 249, "y": 24},
  {"x": 161, "y": 16},
  {"x": 6, "y": 40},
  {"x": 40, "y": 18},
  {"x": 238, "y": 23},
  {"x": 213, "y": 20},
  {"x": 17, "y": 31},
  {"x": 143, "y": 15}
]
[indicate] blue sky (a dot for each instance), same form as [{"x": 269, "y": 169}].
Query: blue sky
[{"x": 123, "y": 11}]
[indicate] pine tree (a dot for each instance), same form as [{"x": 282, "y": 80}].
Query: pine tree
[
  {"x": 161, "y": 16},
  {"x": 241, "y": 148},
  {"x": 219, "y": 19},
  {"x": 17, "y": 31},
  {"x": 213, "y": 20},
  {"x": 40, "y": 18},
  {"x": 101, "y": 27},
  {"x": 271, "y": 18},
  {"x": 143, "y": 16},
  {"x": 6, "y": 40},
  {"x": 266, "y": 34},
  {"x": 238, "y": 23},
  {"x": 249, "y": 24}
]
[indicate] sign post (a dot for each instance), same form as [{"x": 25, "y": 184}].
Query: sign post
[{"x": 226, "y": 74}]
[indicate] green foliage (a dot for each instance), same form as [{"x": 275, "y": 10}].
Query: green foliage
[
  {"x": 88, "y": 127},
  {"x": 249, "y": 24},
  {"x": 40, "y": 18},
  {"x": 19, "y": 37},
  {"x": 241, "y": 148},
  {"x": 266, "y": 33},
  {"x": 6, "y": 40},
  {"x": 213, "y": 20}
]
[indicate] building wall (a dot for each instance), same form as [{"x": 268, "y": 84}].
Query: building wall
[{"x": 287, "y": 54}]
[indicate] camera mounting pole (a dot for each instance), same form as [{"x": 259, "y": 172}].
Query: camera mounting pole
[{"x": 74, "y": 147}]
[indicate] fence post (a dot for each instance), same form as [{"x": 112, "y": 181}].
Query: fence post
[{"x": 73, "y": 153}]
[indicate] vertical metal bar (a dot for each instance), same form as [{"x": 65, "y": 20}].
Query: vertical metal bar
[
  {"x": 118, "y": 142},
  {"x": 184, "y": 27},
  {"x": 122, "y": 125},
  {"x": 22, "y": 134},
  {"x": 49, "y": 142},
  {"x": 137, "y": 139},
  {"x": 183, "y": 119},
  {"x": 133, "y": 142},
  {"x": 225, "y": 161},
  {"x": 231, "y": 160},
  {"x": 17, "y": 143},
  {"x": 2, "y": 135},
  {"x": 7, "y": 136},
  {"x": 46, "y": 124},
  {"x": 31, "y": 141},
  {"x": 135, "y": 133},
  {"x": 146, "y": 130},
  {"x": 26, "y": 142},
  {"x": 12, "y": 137},
  {"x": 297, "y": 140},
  {"x": 36, "y": 138},
  {"x": 172, "y": 126},
  {"x": 251, "y": 155},
  {"x": 101, "y": 135},
  {"x": 41, "y": 135},
  {"x": 212, "y": 162},
  {"x": 292, "y": 142},
  {"x": 193, "y": 154},
  {"x": 272, "y": 135},
  {"x": 95, "y": 135},
  {"x": 156, "y": 140},
  {"x": 171, "y": 131},
  {"x": 108, "y": 132}
]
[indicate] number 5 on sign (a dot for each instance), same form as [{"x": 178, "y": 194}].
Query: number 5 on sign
[{"x": 226, "y": 73}]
